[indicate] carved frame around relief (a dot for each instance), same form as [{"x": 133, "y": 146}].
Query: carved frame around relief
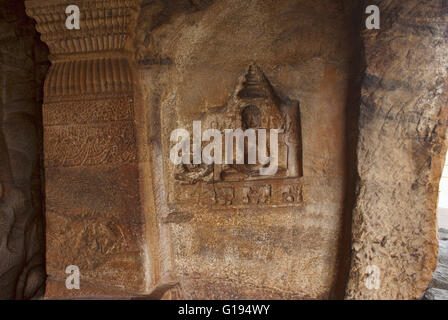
[{"x": 255, "y": 105}]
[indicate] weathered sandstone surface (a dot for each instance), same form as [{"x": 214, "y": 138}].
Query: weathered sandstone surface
[
  {"x": 225, "y": 234},
  {"x": 401, "y": 150},
  {"x": 350, "y": 212}
]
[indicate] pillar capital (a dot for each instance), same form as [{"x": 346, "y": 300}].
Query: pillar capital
[
  {"x": 95, "y": 60},
  {"x": 106, "y": 27}
]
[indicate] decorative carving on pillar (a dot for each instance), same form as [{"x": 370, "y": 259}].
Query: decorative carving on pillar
[{"x": 93, "y": 205}]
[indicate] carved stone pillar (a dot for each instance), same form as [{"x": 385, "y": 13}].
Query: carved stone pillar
[{"x": 94, "y": 216}]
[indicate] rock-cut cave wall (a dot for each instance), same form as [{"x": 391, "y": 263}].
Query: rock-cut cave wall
[
  {"x": 195, "y": 61},
  {"x": 359, "y": 207},
  {"x": 400, "y": 151}
]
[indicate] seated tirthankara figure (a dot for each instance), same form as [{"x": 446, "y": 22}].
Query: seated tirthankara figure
[
  {"x": 256, "y": 106},
  {"x": 251, "y": 117}
]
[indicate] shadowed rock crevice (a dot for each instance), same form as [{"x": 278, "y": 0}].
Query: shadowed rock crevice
[
  {"x": 23, "y": 65},
  {"x": 356, "y": 14}
]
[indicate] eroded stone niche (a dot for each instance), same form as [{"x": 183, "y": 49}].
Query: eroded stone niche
[{"x": 233, "y": 234}]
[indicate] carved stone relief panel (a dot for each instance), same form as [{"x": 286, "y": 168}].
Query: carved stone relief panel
[
  {"x": 226, "y": 230},
  {"x": 254, "y": 105}
]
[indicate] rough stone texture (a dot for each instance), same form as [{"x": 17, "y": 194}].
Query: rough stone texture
[
  {"x": 400, "y": 152},
  {"x": 228, "y": 235},
  {"x": 136, "y": 224},
  {"x": 23, "y": 64}
]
